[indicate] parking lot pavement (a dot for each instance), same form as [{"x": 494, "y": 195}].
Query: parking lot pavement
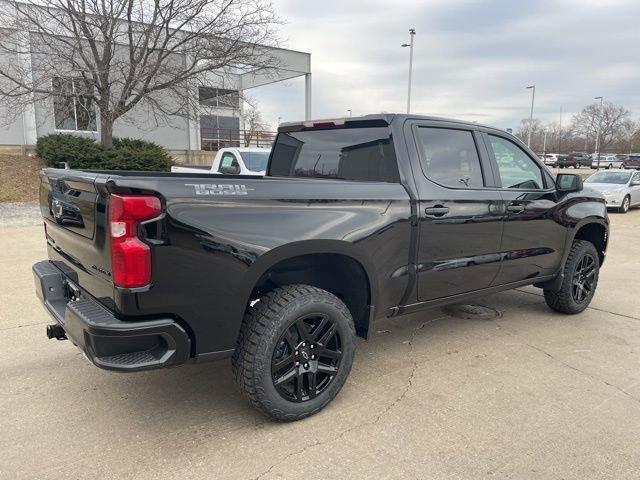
[{"x": 528, "y": 395}]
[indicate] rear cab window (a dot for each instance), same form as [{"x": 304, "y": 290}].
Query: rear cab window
[{"x": 357, "y": 153}]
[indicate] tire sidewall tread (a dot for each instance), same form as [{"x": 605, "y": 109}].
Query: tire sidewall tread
[
  {"x": 263, "y": 326},
  {"x": 562, "y": 301}
]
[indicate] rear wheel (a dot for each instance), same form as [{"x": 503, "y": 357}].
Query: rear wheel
[
  {"x": 295, "y": 352},
  {"x": 624, "y": 206},
  {"x": 579, "y": 282}
]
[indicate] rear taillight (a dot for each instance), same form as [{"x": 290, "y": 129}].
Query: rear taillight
[{"x": 130, "y": 257}]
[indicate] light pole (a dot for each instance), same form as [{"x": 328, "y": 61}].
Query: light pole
[
  {"x": 599, "y": 129},
  {"x": 412, "y": 33},
  {"x": 533, "y": 97},
  {"x": 560, "y": 133},
  {"x": 544, "y": 145},
  {"x": 350, "y": 112}
]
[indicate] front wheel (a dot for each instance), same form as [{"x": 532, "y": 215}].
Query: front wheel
[
  {"x": 295, "y": 351},
  {"x": 580, "y": 279}
]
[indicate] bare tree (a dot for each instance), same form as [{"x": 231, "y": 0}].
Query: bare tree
[
  {"x": 609, "y": 121},
  {"x": 629, "y": 135},
  {"x": 254, "y": 124},
  {"x": 118, "y": 55}
]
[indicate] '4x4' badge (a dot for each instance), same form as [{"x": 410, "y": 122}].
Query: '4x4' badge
[{"x": 219, "y": 189}]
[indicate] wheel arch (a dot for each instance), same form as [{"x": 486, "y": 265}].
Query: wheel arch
[
  {"x": 333, "y": 265},
  {"x": 592, "y": 230}
]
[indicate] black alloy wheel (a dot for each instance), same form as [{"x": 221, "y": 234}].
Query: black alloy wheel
[
  {"x": 579, "y": 280},
  {"x": 583, "y": 278},
  {"x": 306, "y": 358},
  {"x": 295, "y": 351}
]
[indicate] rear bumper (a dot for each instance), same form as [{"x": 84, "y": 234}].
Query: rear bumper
[{"x": 108, "y": 342}]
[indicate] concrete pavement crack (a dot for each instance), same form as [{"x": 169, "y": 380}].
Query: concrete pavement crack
[
  {"x": 378, "y": 417},
  {"x": 565, "y": 364}
]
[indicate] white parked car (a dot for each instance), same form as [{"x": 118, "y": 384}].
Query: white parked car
[
  {"x": 550, "y": 159},
  {"x": 607, "y": 161},
  {"x": 233, "y": 161},
  {"x": 621, "y": 188}
]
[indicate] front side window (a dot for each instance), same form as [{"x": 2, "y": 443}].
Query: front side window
[
  {"x": 449, "y": 157},
  {"x": 516, "y": 168},
  {"x": 345, "y": 153},
  {"x": 73, "y": 106}
]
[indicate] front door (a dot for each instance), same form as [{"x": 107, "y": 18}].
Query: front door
[
  {"x": 460, "y": 222},
  {"x": 533, "y": 239}
]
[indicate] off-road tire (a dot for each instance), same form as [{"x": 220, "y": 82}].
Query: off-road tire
[
  {"x": 260, "y": 333},
  {"x": 563, "y": 300}
]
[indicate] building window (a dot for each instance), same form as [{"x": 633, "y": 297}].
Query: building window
[
  {"x": 218, "y": 97},
  {"x": 72, "y": 107},
  {"x": 218, "y": 132}
]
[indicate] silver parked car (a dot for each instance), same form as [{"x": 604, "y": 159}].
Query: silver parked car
[{"x": 621, "y": 188}]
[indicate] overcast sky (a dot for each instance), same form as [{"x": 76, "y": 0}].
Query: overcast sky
[{"x": 472, "y": 59}]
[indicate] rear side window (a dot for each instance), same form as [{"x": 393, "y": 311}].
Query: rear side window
[
  {"x": 449, "y": 157},
  {"x": 346, "y": 153}
]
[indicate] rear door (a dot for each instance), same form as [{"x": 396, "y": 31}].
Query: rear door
[
  {"x": 460, "y": 222},
  {"x": 533, "y": 239}
]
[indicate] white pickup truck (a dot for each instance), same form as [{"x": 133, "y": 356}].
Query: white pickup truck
[{"x": 233, "y": 161}]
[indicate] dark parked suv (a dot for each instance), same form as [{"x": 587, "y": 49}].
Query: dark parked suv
[
  {"x": 357, "y": 219},
  {"x": 632, "y": 161},
  {"x": 574, "y": 159}
]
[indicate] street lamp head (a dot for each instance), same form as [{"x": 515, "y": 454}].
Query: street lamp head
[
  {"x": 597, "y": 98},
  {"x": 531, "y": 86},
  {"x": 405, "y": 45},
  {"x": 412, "y": 31}
]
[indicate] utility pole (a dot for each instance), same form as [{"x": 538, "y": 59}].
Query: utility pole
[
  {"x": 599, "y": 130},
  {"x": 533, "y": 97},
  {"x": 544, "y": 145},
  {"x": 560, "y": 133},
  {"x": 412, "y": 33}
]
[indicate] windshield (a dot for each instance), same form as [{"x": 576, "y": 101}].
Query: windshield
[
  {"x": 618, "y": 178},
  {"x": 255, "y": 161}
]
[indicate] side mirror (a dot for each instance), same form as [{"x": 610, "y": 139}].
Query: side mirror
[{"x": 568, "y": 182}]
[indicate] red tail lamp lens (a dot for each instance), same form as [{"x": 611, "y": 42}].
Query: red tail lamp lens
[{"x": 130, "y": 257}]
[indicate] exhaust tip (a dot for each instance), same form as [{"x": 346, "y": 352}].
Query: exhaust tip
[{"x": 56, "y": 331}]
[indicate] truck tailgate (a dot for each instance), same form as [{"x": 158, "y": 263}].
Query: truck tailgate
[{"x": 74, "y": 211}]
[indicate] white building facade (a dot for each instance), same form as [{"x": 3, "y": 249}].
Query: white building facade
[{"x": 217, "y": 123}]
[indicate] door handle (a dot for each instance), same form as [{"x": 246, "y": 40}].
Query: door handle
[
  {"x": 515, "y": 208},
  {"x": 436, "y": 211}
]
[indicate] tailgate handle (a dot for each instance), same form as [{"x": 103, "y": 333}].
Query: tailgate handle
[{"x": 436, "y": 211}]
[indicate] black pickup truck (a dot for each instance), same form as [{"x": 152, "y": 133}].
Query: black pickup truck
[{"x": 357, "y": 219}]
